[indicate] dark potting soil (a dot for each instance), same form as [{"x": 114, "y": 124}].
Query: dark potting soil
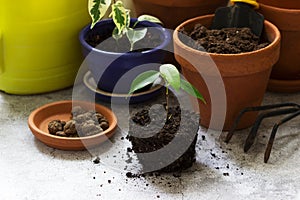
[
  {"x": 106, "y": 42},
  {"x": 224, "y": 41},
  {"x": 153, "y": 131}
]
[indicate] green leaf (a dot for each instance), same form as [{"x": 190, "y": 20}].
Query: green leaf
[
  {"x": 97, "y": 9},
  {"x": 149, "y": 18},
  {"x": 135, "y": 35},
  {"x": 143, "y": 80},
  {"x": 170, "y": 73},
  {"x": 190, "y": 89},
  {"x": 120, "y": 16}
]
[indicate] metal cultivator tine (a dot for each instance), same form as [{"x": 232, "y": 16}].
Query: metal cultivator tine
[
  {"x": 253, "y": 132},
  {"x": 274, "y": 131},
  {"x": 286, "y": 108},
  {"x": 253, "y": 109}
]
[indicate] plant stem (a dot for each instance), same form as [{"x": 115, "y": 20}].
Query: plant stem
[
  {"x": 134, "y": 25},
  {"x": 131, "y": 46},
  {"x": 167, "y": 98}
]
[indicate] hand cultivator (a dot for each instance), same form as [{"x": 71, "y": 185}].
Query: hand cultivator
[{"x": 291, "y": 110}]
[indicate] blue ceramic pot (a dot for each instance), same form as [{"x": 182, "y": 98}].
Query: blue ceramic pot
[{"x": 113, "y": 71}]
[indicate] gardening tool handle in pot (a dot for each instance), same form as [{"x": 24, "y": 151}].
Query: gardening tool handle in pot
[{"x": 250, "y": 2}]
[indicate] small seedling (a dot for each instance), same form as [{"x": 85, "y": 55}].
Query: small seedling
[
  {"x": 121, "y": 17},
  {"x": 171, "y": 77}
]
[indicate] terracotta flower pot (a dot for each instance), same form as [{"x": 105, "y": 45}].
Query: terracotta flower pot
[
  {"x": 173, "y": 12},
  {"x": 288, "y": 4},
  {"x": 285, "y": 76},
  {"x": 245, "y": 76}
]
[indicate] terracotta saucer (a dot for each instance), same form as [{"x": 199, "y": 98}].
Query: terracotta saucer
[
  {"x": 285, "y": 86},
  {"x": 38, "y": 123},
  {"x": 90, "y": 83}
]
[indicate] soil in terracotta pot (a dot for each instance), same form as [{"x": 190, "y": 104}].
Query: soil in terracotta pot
[
  {"x": 150, "y": 132},
  {"x": 106, "y": 42},
  {"x": 224, "y": 41}
]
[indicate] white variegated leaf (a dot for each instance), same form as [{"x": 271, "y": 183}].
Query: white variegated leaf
[
  {"x": 119, "y": 16},
  {"x": 128, "y": 18},
  {"x": 149, "y": 18},
  {"x": 97, "y": 9}
]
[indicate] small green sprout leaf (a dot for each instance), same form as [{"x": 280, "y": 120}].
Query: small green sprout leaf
[
  {"x": 190, "y": 89},
  {"x": 143, "y": 80},
  {"x": 171, "y": 77},
  {"x": 135, "y": 35},
  {"x": 149, "y": 18},
  {"x": 97, "y": 9},
  {"x": 120, "y": 16},
  {"x": 170, "y": 73}
]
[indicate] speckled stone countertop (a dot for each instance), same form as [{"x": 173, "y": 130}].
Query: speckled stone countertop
[{"x": 31, "y": 170}]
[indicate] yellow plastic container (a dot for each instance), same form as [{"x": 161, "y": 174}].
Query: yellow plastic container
[{"x": 39, "y": 46}]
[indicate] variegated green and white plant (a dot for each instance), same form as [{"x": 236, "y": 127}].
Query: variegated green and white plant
[{"x": 121, "y": 18}]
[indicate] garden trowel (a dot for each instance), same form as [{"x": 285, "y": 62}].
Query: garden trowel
[{"x": 240, "y": 15}]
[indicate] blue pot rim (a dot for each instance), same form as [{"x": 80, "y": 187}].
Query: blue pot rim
[{"x": 165, "y": 32}]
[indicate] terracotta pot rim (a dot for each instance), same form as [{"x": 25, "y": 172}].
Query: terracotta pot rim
[
  {"x": 284, "y": 19},
  {"x": 283, "y": 86},
  {"x": 266, "y": 22},
  {"x": 239, "y": 74},
  {"x": 279, "y": 9},
  {"x": 251, "y": 61}
]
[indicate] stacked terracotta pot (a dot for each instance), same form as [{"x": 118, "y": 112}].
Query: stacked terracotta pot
[
  {"x": 173, "y": 12},
  {"x": 285, "y": 14}
]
